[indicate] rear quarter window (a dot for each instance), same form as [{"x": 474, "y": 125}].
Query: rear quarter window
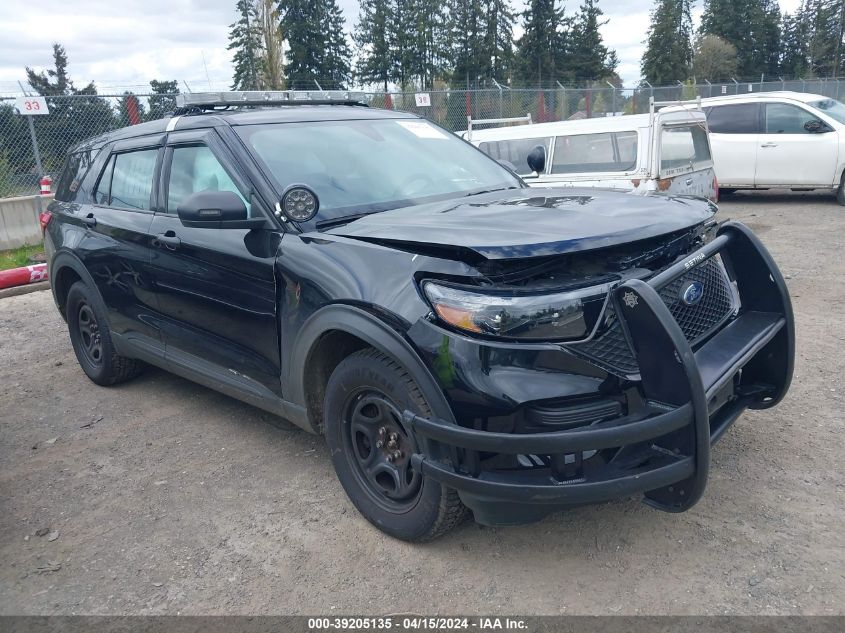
[
  {"x": 602, "y": 152},
  {"x": 76, "y": 166},
  {"x": 515, "y": 151},
  {"x": 742, "y": 118}
]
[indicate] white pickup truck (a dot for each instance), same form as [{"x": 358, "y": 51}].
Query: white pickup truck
[{"x": 664, "y": 151}]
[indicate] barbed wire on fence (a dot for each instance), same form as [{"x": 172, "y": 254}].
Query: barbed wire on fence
[{"x": 74, "y": 118}]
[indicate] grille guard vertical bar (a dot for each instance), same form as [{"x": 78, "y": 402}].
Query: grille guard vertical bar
[{"x": 659, "y": 344}]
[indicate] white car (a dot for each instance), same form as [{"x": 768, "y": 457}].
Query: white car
[
  {"x": 778, "y": 139},
  {"x": 665, "y": 152}
]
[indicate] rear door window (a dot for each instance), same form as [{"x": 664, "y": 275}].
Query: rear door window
[
  {"x": 515, "y": 151},
  {"x": 683, "y": 148},
  {"x": 602, "y": 152},
  {"x": 127, "y": 182},
  {"x": 742, "y": 118}
]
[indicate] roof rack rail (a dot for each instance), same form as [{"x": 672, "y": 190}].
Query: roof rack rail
[
  {"x": 517, "y": 119},
  {"x": 195, "y": 102},
  {"x": 653, "y": 105}
]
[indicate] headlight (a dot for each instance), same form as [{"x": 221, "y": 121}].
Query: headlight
[{"x": 567, "y": 315}]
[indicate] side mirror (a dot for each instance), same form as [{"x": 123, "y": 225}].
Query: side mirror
[
  {"x": 216, "y": 210},
  {"x": 815, "y": 126},
  {"x": 537, "y": 159}
]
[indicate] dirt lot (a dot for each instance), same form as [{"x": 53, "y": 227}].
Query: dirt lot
[{"x": 160, "y": 496}]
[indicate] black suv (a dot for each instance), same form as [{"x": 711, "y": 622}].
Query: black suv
[{"x": 462, "y": 341}]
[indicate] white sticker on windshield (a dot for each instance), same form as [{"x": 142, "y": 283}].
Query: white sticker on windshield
[{"x": 422, "y": 129}]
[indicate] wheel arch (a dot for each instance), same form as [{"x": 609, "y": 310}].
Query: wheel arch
[
  {"x": 65, "y": 270},
  {"x": 333, "y": 333}
]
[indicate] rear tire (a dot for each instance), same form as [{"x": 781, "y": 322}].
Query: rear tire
[
  {"x": 370, "y": 448},
  {"x": 91, "y": 339},
  {"x": 840, "y": 193}
]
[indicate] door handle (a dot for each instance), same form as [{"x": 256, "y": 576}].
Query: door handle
[
  {"x": 89, "y": 220},
  {"x": 169, "y": 239},
  {"x": 769, "y": 145}
]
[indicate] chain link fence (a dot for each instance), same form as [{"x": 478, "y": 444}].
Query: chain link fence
[{"x": 72, "y": 119}]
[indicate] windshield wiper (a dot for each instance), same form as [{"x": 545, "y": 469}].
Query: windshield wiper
[
  {"x": 478, "y": 193},
  {"x": 344, "y": 219}
]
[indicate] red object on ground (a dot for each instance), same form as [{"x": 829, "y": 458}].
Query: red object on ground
[
  {"x": 388, "y": 102},
  {"x": 23, "y": 276},
  {"x": 46, "y": 182}
]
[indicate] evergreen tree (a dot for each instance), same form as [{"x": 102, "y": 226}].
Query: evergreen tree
[
  {"x": 42, "y": 82},
  {"x": 75, "y": 113},
  {"x": 318, "y": 50},
  {"x": 427, "y": 24},
  {"x": 589, "y": 58},
  {"x": 668, "y": 53},
  {"x": 467, "y": 28},
  {"x": 245, "y": 41},
  {"x": 373, "y": 38},
  {"x": 497, "y": 43},
  {"x": 825, "y": 19},
  {"x": 752, "y": 26},
  {"x": 401, "y": 41},
  {"x": 162, "y": 98},
  {"x": 543, "y": 48},
  {"x": 812, "y": 39},
  {"x": 769, "y": 38},
  {"x": 794, "y": 48},
  {"x": 336, "y": 64}
]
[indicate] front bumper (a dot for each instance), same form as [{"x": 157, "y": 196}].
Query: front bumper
[{"x": 662, "y": 450}]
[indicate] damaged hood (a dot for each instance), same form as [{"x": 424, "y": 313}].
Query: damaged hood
[{"x": 531, "y": 222}]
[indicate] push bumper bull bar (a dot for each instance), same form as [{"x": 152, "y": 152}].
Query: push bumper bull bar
[{"x": 692, "y": 397}]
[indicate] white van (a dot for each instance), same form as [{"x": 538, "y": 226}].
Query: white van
[
  {"x": 778, "y": 139},
  {"x": 661, "y": 151}
]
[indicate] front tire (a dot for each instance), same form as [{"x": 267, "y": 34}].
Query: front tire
[
  {"x": 91, "y": 339},
  {"x": 371, "y": 450},
  {"x": 840, "y": 193}
]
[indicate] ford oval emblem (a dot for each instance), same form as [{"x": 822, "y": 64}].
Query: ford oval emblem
[{"x": 692, "y": 292}]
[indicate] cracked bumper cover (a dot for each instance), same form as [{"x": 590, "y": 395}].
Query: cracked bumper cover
[{"x": 663, "y": 451}]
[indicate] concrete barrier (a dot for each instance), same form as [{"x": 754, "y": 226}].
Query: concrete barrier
[{"x": 19, "y": 220}]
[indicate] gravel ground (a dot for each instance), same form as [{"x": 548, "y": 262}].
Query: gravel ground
[{"x": 162, "y": 497}]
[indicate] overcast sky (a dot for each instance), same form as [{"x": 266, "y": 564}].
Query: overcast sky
[{"x": 123, "y": 44}]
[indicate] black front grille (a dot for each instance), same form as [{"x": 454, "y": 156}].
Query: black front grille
[
  {"x": 611, "y": 350},
  {"x": 715, "y": 306}
]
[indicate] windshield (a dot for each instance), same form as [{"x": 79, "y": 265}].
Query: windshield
[
  {"x": 361, "y": 166},
  {"x": 831, "y": 108}
]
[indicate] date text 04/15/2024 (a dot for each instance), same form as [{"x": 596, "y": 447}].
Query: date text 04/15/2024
[{"x": 416, "y": 623}]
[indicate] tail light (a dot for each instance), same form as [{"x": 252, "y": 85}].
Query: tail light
[
  {"x": 44, "y": 219},
  {"x": 715, "y": 188}
]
